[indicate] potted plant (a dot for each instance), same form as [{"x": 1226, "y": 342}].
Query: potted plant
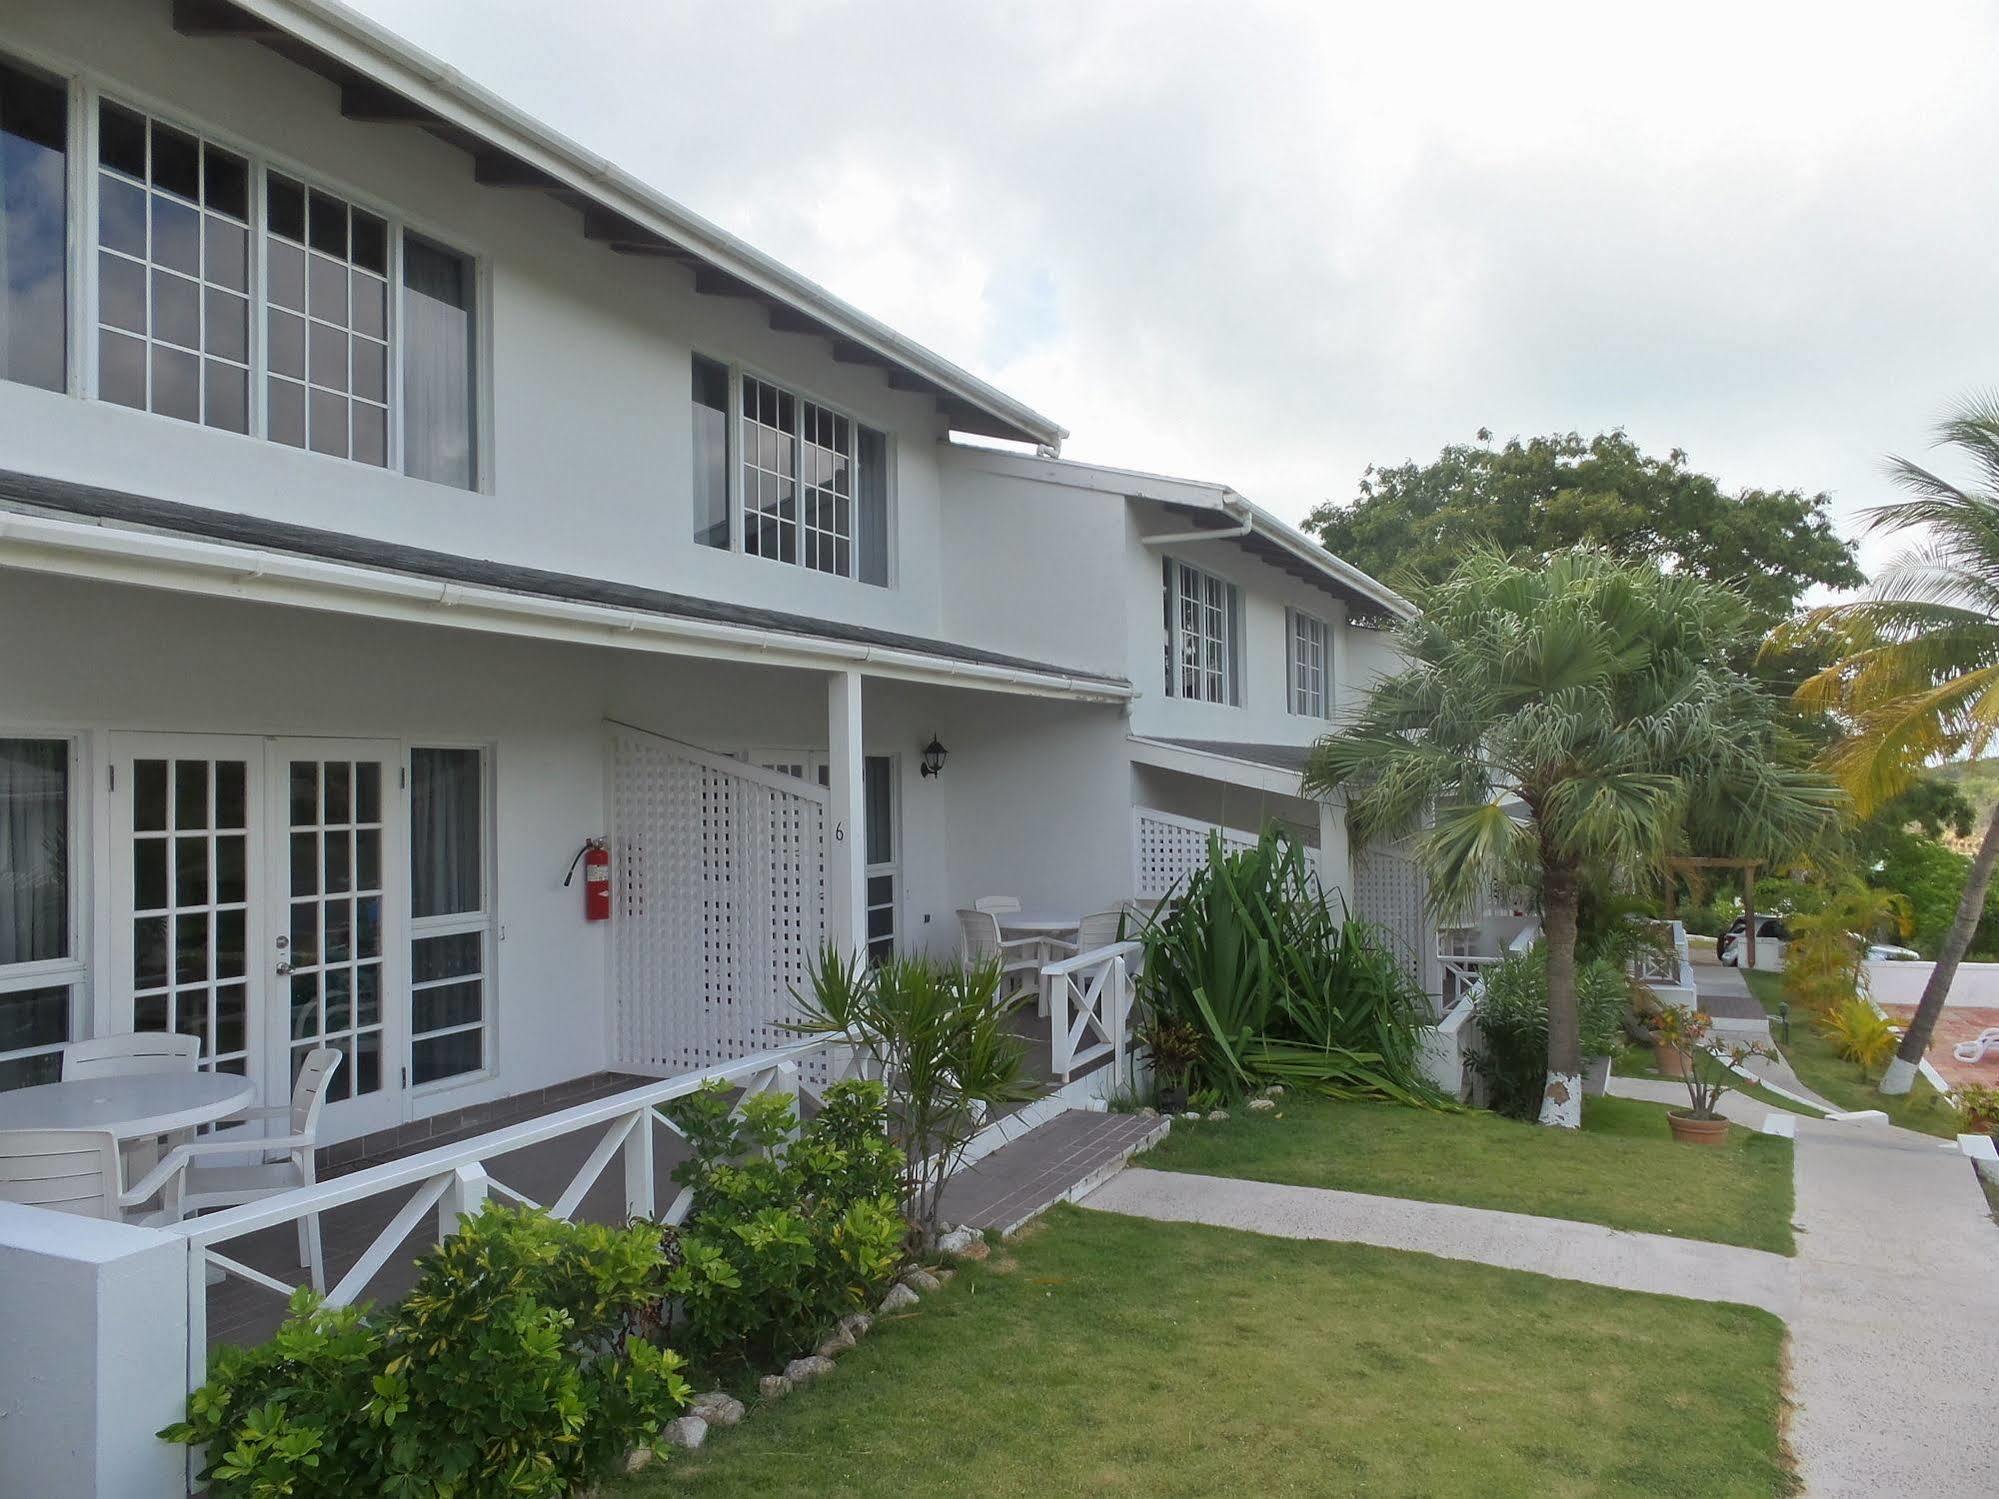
[
  {"x": 1174, "y": 1046},
  {"x": 1708, "y": 1071}
]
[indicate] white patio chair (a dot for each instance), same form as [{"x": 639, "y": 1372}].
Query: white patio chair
[
  {"x": 1019, "y": 958},
  {"x": 997, "y": 905},
  {"x": 1975, "y": 1049},
  {"x": 226, "y": 1186},
  {"x": 72, "y": 1171},
  {"x": 130, "y": 1055}
]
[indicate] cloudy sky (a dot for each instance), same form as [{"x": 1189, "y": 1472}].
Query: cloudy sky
[{"x": 1273, "y": 243}]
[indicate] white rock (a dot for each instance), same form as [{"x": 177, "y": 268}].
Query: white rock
[
  {"x": 638, "y": 1459},
  {"x": 899, "y": 1296},
  {"x": 804, "y": 1370},
  {"x": 717, "y": 1407},
  {"x": 1218, "y": 1116},
  {"x": 856, "y": 1324},
  {"x": 689, "y": 1432},
  {"x": 958, "y": 1240},
  {"x": 773, "y": 1387},
  {"x": 919, "y": 1279},
  {"x": 1191, "y": 1114},
  {"x": 1275, "y": 1090},
  {"x": 836, "y": 1345},
  {"x": 1262, "y": 1105}
]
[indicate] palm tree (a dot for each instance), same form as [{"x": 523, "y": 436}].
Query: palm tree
[
  {"x": 1562, "y": 715},
  {"x": 1915, "y": 672}
]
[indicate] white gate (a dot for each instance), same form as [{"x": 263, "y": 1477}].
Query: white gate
[
  {"x": 719, "y": 903},
  {"x": 1388, "y": 891},
  {"x": 1166, "y": 849}
]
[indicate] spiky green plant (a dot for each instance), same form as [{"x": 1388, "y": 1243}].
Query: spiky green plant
[
  {"x": 1574, "y": 714},
  {"x": 1915, "y": 674}
]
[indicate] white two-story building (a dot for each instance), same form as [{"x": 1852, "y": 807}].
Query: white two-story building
[{"x": 395, "y": 496}]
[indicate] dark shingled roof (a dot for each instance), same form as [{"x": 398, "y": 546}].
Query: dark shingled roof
[{"x": 33, "y": 491}]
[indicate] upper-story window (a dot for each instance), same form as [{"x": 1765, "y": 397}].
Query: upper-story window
[
  {"x": 810, "y": 483},
  {"x": 1310, "y": 664},
  {"x": 1203, "y": 628},
  {"x": 229, "y": 293}
]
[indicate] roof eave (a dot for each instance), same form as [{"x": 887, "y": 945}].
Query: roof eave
[{"x": 388, "y": 59}]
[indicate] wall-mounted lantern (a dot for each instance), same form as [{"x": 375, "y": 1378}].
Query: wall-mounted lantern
[{"x": 933, "y": 757}]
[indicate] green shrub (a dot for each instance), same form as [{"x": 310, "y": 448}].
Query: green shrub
[
  {"x": 514, "y": 1367},
  {"x": 1280, "y": 989},
  {"x": 1859, "y": 1032},
  {"x": 783, "y": 1236},
  {"x": 1512, "y": 1012},
  {"x": 940, "y": 1030}
]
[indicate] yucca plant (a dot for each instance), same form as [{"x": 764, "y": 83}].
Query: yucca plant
[
  {"x": 1858, "y": 1032},
  {"x": 1278, "y": 987}
]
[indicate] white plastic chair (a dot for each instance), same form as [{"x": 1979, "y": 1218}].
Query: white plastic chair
[
  {"x": 72, "y": 1171},
  {"x": 130, "y": 1055},
  {"x": 997, "y": 905},
  {"x": 226, "y": 1186},
  {"x": 1974, "y": 1050},
  {"x": 1018, "y": 957}
]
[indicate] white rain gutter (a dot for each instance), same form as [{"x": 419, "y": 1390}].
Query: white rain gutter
[{"x": 160, "y": 560}]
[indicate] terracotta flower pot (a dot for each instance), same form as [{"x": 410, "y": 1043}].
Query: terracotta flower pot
[
  {"x": 1671, "y": 1061},
  {"x": 1691, "y": 1131}
]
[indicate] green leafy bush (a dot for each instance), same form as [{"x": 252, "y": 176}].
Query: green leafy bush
[
  {"x": 788, "y": 1230},
  {"x": 939, "y": 1029},
  {"x": 1280, "y": 989},
  {"x": 1512, "y": 1012},
  {"x": 1859, "y": 1032},
  {"x": 514, "y": 1367}
]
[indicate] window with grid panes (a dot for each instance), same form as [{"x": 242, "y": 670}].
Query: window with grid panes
[
  {"x": 1202, "y": 652},
  {"x": 327, "y": 268},
  {"x": 1309, "y": 663},
  {"x": 813, "y": 481},
  {"x": 173, "y": 272}
]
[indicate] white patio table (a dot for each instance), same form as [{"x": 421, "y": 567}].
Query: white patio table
[
  {"x": 1037, "y": 924},
  {"x": 141, "y": 1107}
]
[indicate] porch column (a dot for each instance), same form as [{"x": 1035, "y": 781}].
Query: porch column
[
  {"x": 846, "y": 832},
  {"x": 1335, "y": 856}
]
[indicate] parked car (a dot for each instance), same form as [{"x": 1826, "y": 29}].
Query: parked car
[
  {"x": 1888, "y": 952},
  {"x": 1769, "y": 929}
]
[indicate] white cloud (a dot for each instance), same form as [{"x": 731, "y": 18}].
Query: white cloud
[{"x": 1274, "y": 243}]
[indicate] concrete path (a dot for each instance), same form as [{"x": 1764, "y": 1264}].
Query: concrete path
[
  {"x": 1895, "y": 1344},
  {"x": 1512, "y": 1241},
  {"x": 1734, "y": 1106}
]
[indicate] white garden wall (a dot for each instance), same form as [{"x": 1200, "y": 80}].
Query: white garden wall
[{"x": 1975, "y": 985}]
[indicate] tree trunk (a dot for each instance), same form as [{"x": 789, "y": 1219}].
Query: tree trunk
[
  {"x": 1562, "y": 1097},
  {"x": 1901, "y": 1074}
]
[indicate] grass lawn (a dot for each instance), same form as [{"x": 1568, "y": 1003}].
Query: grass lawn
[
  {"x": 1109, "y": 1356},
  {"x": 1839, "y": 1081},
  {"x": 1621, "y": 1169}
]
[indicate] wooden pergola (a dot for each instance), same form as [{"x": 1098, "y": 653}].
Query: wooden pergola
[{"x": 1691, "y": 864}]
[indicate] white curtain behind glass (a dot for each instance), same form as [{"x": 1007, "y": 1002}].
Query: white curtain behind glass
[
  {"x": 437, "y": 364},
  {"x": 34, "y": 850},
  {"x": 444, "y": 832}
]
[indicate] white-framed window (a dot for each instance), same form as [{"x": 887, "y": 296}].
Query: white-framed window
[
  {"x": 42, "y": 971},
  {"x": 1311, "y": 664},
  {"x": 451, "y": 915},
  {"x": 1203, "y": 634},
  {"x": 220, "y": 288},
  {"x": 782, "y": 476}
]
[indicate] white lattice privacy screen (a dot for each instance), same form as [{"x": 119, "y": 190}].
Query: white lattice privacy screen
[
  {"x": 1388, "y": 891},
  {"x": 1168, "y": 848},
  {"x": 720, "y": 905}
]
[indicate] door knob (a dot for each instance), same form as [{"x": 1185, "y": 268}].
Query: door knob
[{"x": 284, "y": 967}]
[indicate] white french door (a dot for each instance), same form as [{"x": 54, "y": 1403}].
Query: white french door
[
  {"x": 335, "y": 833},
  {"x": 257, "y": 903}
]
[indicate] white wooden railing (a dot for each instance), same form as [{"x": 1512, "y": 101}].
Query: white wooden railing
[
  {"x": 452, "y": 1179},
  {"x": 1089, "y": 1006}
]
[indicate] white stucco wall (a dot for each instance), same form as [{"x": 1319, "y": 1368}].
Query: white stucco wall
[
  {"x": 589, "y": 352},
  {"x": 1974, "y": 986}
]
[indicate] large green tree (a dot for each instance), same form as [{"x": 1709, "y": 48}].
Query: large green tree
[
  {"x": 1413, "y": 523},
  {"x": 1576, "y": 717}
]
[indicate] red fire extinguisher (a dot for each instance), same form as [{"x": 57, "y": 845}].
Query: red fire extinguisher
[{"x": 595, "y": 857}]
